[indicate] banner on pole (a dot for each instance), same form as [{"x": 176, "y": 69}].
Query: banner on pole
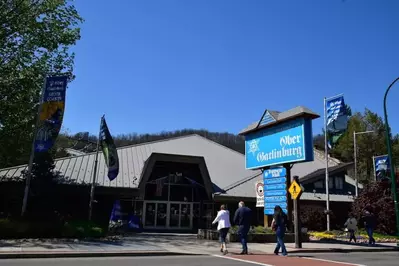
[
  {"x": 109, "y": 151},
  {"x": 116, "y": 212},
  {"x": 260, "y": 202},
  {"x": 51, "y": 113},
  {"x": 381, "y": 167},
  {"x": 337, "y": 119}
]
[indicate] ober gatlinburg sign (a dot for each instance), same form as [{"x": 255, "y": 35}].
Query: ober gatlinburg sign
[{"x": 278, "y": 138}]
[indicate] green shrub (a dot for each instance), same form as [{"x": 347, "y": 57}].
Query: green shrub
[
  {"x": 253, "y": 230},
  {"x": 82, "y": 229},
  {"x": 44, "y": 229}
]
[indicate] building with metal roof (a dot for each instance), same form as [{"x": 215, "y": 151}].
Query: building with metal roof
[{"x": 181, "y": 178}]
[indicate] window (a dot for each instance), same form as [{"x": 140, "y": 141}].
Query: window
[
  {"x": 330, "y": 183},
  {"x": 339, "y": 183},
  {"x": 319, "y": 184}
]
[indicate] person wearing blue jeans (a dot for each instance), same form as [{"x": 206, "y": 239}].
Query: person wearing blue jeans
[
  {"x": 279, "y": 225},
  {"x": 243, "y": 233},
  {"x": 242, "y": 218},
  {"x": 369, "y": 224}
]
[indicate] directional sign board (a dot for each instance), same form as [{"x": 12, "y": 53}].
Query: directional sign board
[
  {"x": 295, "y": 190},
  {"x": 275, "y": 189}
]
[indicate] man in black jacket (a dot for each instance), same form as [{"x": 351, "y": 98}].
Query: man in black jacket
[{"x": 242, "y": 218}]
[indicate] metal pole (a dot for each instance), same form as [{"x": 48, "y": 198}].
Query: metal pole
[
  {"x": 326, "y": 155},
  {"x": 32, "y": 154},
  {"x": 375, "y": 175},
  {"x": 392, "y": 168},
  {"x": 93, "y": 183},
  {"x": 355, "y": 158},
  {"x": 297, "y": 222}
]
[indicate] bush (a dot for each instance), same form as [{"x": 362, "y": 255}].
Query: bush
[
  {"x": 82, "y": 229},
  {"x": 314, "y": 218},
  {"x": 253, "y": 230},
  {"x": 39, "y": 229},
  {"x": 377, "y": 197}
]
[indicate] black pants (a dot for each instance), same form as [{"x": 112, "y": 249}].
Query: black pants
[
  {"x": 223, "y": 234},
  {"x": 352, "y": 235}
]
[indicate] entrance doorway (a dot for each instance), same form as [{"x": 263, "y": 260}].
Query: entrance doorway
[{"x": 168, "y": 215}]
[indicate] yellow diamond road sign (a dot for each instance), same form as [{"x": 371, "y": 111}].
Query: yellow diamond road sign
[{"x": 295, "y": 190}]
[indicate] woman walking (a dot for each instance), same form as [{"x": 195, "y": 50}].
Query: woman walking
[
  {"x": 279, "y": 224},
  {"x": 351, "y": 226},
  {"x": 223, "y": 220}
]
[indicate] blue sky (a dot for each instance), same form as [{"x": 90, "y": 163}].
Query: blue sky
[{"x": 155, "y": 65}]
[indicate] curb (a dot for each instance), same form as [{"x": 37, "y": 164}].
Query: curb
[
  {"x": 342, "y": 250},
  {"x": 37, "y": 255}
]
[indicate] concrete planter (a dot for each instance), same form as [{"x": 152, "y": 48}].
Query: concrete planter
[{"x": 252, "y": 238}]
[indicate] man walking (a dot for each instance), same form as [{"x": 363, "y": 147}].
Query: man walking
[{"x": 242, "y": 218}]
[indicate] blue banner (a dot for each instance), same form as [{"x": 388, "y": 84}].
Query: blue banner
[
  {"x": 51, "y": 113},
  {"x": 116, "y": 211},
  {"x": 287, "y": 142},
  {"x": 382, "y": 167},
  {"x": 337, "y": 117}
]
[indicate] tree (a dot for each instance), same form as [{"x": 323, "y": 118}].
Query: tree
[
  {"x": 35, "y": 37},
  {"x": 377, "y": 197},
  {"x": 41, "y": 189}
]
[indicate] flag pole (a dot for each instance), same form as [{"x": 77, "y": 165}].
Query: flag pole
[
  {"x": 93, "y": 183},
  {"x": 32, "y": 154},
  {"x": 326, "y": 157}
]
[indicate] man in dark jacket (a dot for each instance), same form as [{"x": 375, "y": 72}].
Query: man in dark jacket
[
  {"x": 242, "y": 218},
  {"x": 370, "y": 224}
]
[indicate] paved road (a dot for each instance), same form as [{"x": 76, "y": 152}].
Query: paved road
[
  {"x": 362, "y": 258},
  {"x": 231, "y": 260},
  {"x": 329, "y": 259}
]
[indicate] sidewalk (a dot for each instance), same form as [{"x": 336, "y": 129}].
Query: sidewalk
[{"x": 156, "y": 244}]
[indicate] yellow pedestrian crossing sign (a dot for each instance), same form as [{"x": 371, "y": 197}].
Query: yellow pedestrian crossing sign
[{"x": 295, "y": 190}]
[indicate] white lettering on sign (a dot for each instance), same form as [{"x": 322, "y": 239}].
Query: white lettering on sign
[
  {"x": 286, "y": 143},
  {"x": 275, "y": 172},
  {"x": 290, "y": 140}
]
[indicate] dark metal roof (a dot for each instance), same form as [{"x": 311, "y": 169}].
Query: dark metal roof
[
  {"x": 281, "y": 117},
  {"x": 331, "y": 170}
]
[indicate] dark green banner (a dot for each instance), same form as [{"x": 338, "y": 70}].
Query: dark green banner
[{"x": 109, "y": 150}]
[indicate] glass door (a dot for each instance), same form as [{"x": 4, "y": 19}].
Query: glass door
[
  {"x": 149, "y": 214},
  {"x": 174, "y": 215},
  {"x": 180, "y": 215},
  {"x": 185, "y": 215},
  {"x": 171, "y": 215},
  {"x": 161, "y": 219}
]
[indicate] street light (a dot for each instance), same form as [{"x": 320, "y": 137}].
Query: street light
[
  {"x": 355, "y": 156},
  {"x": 393, "y": 178}
]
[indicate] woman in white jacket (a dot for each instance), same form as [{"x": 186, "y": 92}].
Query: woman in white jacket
[{"x": 223, "y": 220}]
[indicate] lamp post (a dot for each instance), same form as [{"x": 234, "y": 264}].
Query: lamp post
[
  {"x": 392, "y": 169},
  {"x": 355, "y": 157}
]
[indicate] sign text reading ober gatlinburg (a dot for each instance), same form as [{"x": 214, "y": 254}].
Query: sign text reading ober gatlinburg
[{"x": 286, "y": 150}]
